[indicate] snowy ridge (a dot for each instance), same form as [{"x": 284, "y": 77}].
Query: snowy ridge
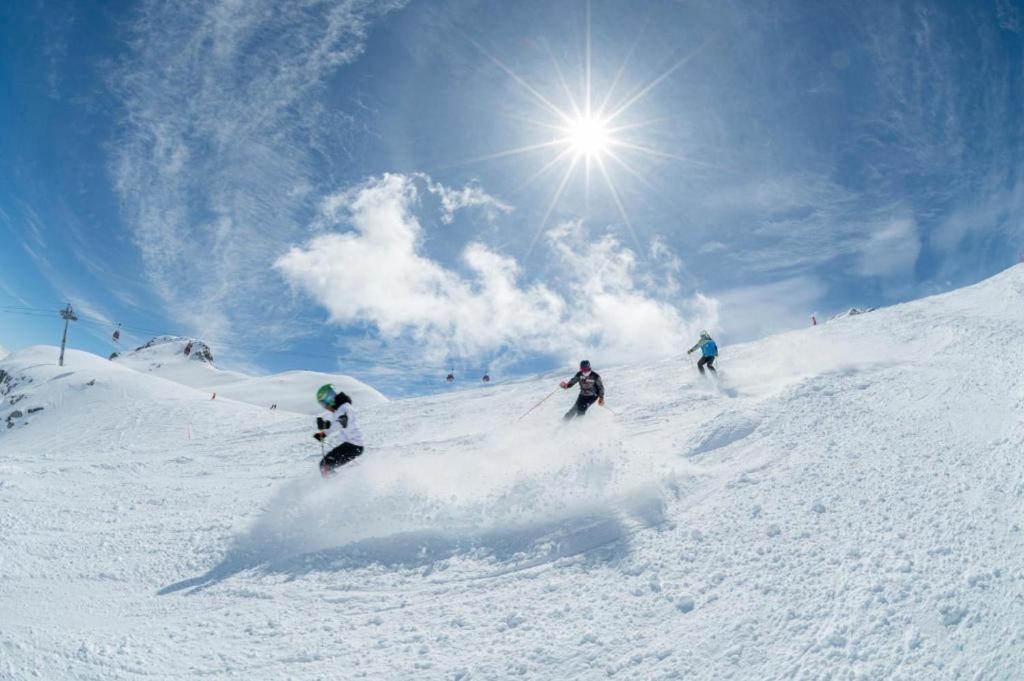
[
  {"x": 844, "y": 504},
  {"x": 165, "y": 356},
  {"x": 852, "y": 312}
]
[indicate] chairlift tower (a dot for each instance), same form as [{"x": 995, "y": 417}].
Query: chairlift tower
[{"x": 68, "y": 315}]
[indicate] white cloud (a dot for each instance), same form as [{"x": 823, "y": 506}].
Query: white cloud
[
  {"x": 598, "y": 302},
  {"x": 891, "y": 250}
]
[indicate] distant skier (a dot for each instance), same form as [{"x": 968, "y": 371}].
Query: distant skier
[
  {"x": 591, "y": 390},
  {"x": 708, "y": 352},
  {"x": 341, "y": 419}
]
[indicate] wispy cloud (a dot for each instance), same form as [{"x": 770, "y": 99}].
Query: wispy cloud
[
  {"x": 1009, "y": 16},
  {"x": 470, "y": 196},
  {"x": 375, "y": 272},
  {"x": 56, "y": 30},
  {"x": 891, "y": 250},
  {"x": 910, "y": 142},
  {"x": 216, "y": 159},
  {"x": 751, "y": 311}
]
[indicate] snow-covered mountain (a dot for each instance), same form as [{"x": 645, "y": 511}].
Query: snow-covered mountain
[
  {"x": 190, "y": 362},
  {"x": 846, "y": 503},
  {"x": 852, "y": 312}
]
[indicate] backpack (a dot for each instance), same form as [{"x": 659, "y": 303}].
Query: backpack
[{"x": 709, "y": 349}]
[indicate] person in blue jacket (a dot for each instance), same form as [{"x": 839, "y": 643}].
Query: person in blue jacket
[{"x": 708, "y": 352}]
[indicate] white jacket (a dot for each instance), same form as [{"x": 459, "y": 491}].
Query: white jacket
[{"x": 343, "y": 426}]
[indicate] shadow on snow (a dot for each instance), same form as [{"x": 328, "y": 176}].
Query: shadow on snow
[{"x": 600, "y": 537}]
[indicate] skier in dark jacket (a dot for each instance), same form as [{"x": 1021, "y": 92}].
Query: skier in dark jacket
[{"x": 591, "y": 390}]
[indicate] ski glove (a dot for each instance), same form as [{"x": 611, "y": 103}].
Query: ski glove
[
  {"x": 319, "y": 436},
  {"x": 322, "y": 424},
  {"x": 563, "y": 385}
]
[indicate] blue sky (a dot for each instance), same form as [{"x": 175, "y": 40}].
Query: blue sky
[{"x": 332, "y": 186}]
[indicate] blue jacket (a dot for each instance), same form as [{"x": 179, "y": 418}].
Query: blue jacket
[{"x": 708, "y": 347}]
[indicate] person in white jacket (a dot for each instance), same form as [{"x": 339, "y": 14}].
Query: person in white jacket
[{"x": 337, "y": 423}]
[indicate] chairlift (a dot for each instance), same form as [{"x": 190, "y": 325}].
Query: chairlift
[
  {"x": 486, "y": 378},
  {"x": 117, "y": 333},
  {"x": 451, "y": 375}
]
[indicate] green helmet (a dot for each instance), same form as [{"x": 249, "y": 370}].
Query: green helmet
[{"x": 325, "y": 395}]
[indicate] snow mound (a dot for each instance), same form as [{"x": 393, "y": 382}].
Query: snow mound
[{"x": 189, "y": 361}]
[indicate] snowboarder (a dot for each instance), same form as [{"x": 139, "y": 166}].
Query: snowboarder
[
  {"x": 591, "y": 390},
  {"x": 708, "y": 352},
  {"x": 341, "y": 419}
]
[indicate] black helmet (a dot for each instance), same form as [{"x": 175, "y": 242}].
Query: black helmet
[{"x": 585, "y": 364}]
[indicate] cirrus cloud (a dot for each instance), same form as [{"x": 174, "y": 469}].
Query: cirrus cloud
[{"x": 216, "y": 159}]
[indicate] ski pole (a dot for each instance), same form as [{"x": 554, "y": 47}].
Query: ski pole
[
  {"x": 538, "y": 404},
  {"x": 614, "y": 413}
]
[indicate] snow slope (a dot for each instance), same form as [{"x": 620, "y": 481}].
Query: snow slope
[
  {"x": 846, "y": 504},
  {"x": 291, "y": 390}
]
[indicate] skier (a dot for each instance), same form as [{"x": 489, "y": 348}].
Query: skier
[
  {"x": 708, "y": 352},
  {"x": 591, "y": 390},
  {"x": 341, "y": 419}
]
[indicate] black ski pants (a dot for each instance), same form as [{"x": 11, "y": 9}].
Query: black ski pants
[
  {"x": 708, "y": 361},
  {"x": 583, "y": 403},
  {"x": 339, "y": 456}
]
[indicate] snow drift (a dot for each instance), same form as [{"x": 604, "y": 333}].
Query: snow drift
[{"x": 844, "y": 503}]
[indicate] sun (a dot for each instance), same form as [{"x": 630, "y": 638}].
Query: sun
[
  {"x": 589, "y": 136},
  {"x": 589, "y": 133}
]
